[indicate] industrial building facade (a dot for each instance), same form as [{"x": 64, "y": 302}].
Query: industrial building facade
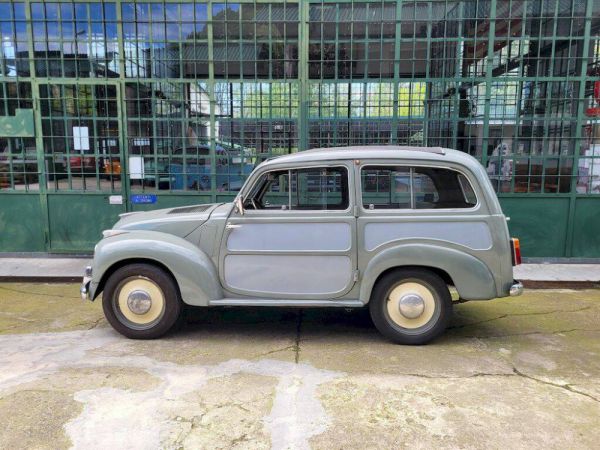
[{"x": 115, "y": 106}]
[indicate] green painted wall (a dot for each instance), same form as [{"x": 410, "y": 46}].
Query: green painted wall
[
  {"x": 586, "y": 228},
  {"x": 76, "y": 220},
  {"x": 22, "y": 224},
  {"x": 539, "y": 223}
]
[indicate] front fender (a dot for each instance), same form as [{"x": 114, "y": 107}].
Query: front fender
[
  {"x": 471, "y": 277},
  {"x": 193, "y": 270}
]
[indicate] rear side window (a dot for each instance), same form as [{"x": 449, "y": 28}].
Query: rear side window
[
  {"x": 402, "y": 187},
  {"x": 386, "y": 187}
]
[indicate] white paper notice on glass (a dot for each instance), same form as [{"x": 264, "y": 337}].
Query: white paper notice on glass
[
  {"x": 136, "y": 168},
  {"x": 81, "y": 138}
]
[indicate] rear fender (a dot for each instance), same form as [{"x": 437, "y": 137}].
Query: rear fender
[{"x": 471, "y": 277}]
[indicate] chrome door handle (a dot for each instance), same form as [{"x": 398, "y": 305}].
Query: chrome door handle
[{"x": 232, "y": 226}]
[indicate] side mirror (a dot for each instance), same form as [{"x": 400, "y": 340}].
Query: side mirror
[{"x": 239, "y": 205}]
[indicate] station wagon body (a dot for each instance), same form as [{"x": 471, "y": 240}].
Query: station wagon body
[{"x": 387, "y": 227}]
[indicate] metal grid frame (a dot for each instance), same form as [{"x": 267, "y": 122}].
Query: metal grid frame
[
  {"x": 18, "y": 160},
  {"x": 266, "y": 77}
]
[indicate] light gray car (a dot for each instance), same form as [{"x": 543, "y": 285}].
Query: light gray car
[{"x": 388, "y": 227}]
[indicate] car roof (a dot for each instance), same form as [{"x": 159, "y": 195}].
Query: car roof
[{"x": 372, "y": 152}]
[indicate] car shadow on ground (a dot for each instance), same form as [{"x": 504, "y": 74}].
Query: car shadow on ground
[{"x": 466, "y": 321}]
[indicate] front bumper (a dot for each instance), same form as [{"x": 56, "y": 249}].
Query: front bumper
[
  {"x": 84, "y": 290},
  {"x": 516, "y": 289}
]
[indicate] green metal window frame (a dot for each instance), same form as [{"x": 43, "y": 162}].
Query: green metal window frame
[
  {"x": 471, "y": 74},
  {"x": 559, "y": 23}
]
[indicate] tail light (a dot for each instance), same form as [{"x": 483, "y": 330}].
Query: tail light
[{"x": 515, "y": 248}]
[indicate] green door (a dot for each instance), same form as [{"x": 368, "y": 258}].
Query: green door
[{"x": 84, "y": 164}]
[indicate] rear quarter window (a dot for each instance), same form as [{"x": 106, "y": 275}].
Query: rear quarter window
[{"x": 402, "y": 187}]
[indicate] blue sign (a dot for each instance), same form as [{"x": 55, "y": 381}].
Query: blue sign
[{"x": 137, "y": 199}]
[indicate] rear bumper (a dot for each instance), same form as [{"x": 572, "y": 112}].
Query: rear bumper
[{"x": 516, "y": 289}]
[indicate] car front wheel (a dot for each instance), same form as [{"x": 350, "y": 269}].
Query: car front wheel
[
  {"x": 411, "y": 306},
  {"x": 141, "y": 301}
]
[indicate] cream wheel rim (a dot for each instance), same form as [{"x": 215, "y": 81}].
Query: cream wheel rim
[
  {"x": 408, "y": 294},
  {"x": 132, "y": 301}
]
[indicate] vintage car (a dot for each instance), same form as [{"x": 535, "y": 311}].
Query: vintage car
[{"x": 391, "y": 228}]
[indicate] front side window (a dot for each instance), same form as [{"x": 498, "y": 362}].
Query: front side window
[
  {"x": 401, "y": 187},
  {"x": 319, "y": 188},
  {"x": 275, "y": 194}
]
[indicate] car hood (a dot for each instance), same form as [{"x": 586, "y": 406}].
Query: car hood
[{"x": 179, "y": 221}]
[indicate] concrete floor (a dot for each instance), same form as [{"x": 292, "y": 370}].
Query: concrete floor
[{"x": 509, "y": 373}]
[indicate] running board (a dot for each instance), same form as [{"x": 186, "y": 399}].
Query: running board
[{"x": 289, "y": 302}]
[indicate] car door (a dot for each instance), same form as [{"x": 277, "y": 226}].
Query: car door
[
  {"x": 296, "y": 238},
  {"x": 418, "y": 203}
]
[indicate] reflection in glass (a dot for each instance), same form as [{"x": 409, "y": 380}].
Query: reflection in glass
[{"x": 514, "y": 95}]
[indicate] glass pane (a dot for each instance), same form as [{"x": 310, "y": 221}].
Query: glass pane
[
  {"x": 320, "y": 188},
  {"x": 385, "y": 187},
  {"x": 272, "y": 192},
  {"x": 439, "y": 189}
]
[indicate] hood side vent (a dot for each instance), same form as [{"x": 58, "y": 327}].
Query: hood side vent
[{"x": 189, "y": 209}]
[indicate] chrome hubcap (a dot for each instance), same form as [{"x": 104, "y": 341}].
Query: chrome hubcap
[
  {"x": 411, "y": 306},
  {"x": 139, "y": 302}
]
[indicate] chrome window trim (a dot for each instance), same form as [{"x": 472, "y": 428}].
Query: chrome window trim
[{"x": 462, "y": 188}]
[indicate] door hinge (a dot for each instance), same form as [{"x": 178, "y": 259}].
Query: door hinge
[
  {"x": 355, "y": 210},
  {"x": 356, "y": 275}
]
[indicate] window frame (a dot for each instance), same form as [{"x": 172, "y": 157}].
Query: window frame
[
  {"x": 413, "y": 209},
  {"x": 462, "y": 189},
  {"x": 340, "y": 164}
]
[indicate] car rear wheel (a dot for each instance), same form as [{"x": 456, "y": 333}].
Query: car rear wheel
[
  {"x": 411, "y": 306},
  {"x": 141, "y": 301}
]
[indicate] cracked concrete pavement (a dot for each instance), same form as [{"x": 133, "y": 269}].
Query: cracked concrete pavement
[{"x": 515, "y": 372}]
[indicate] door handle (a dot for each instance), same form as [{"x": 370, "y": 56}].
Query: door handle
[{"x": 232, "y": 226}]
